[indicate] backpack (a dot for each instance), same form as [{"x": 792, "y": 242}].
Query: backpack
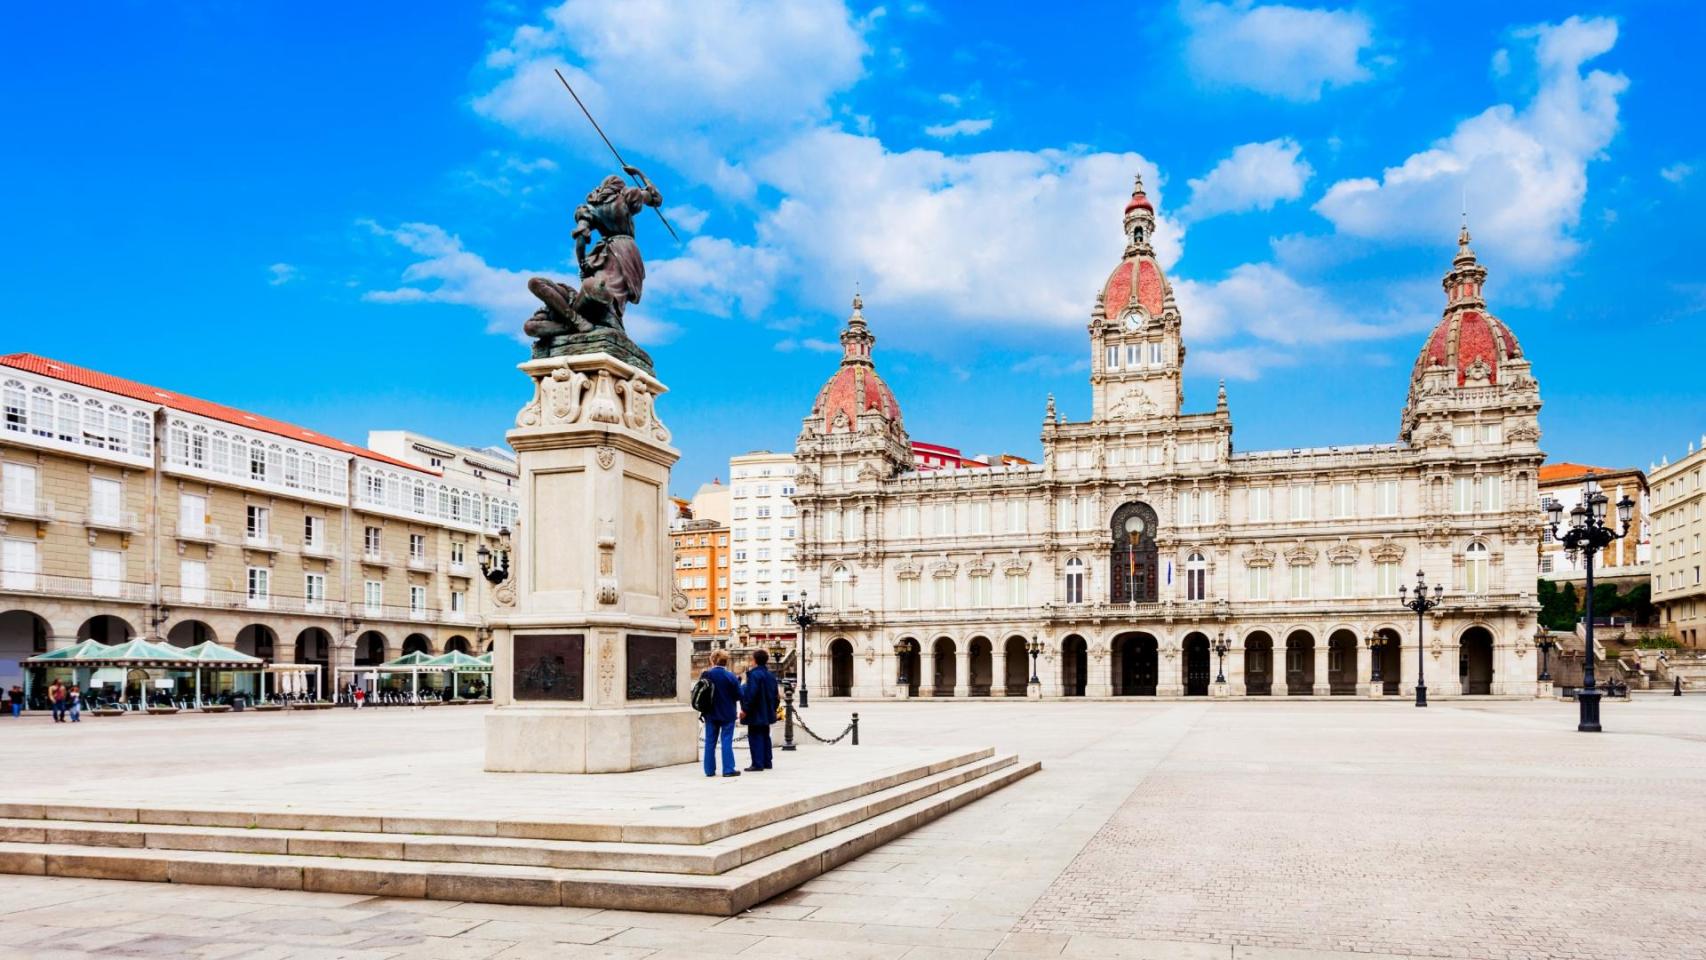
[{"x": 703, "y": 697}]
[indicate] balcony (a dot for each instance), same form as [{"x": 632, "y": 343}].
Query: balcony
[
  {"x": 204, "y": 597},
  {"x": 378, "y": 558},
  {"x": 207, "y": 533},
  {"x": 459, "y": 569},
  {"x": 316, "y": 548},
  {"x": 421, "y": 563},
  {"x": 125, "y": 521},
  {"x": 41, "y": 584},
  {"x": 25, "y": 508},
  {"x": 263, "y": 542}
]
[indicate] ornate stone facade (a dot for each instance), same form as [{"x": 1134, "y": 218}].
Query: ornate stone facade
[{"x": 1145, "y": 536}]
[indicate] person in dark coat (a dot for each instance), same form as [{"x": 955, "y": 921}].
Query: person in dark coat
[
  {"x": 759, "y": 697},
  {"x": 720, "y": 720}
]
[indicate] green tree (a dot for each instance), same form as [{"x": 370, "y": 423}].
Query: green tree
[{"x": 1557, "y": 607}]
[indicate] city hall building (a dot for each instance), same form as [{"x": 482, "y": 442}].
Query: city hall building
[{"x": 1146, "y": 541}]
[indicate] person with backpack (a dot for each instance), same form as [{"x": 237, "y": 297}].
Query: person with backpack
[
  {"x": 715, "y": 695},
  {"x": 759, "y": 696}
]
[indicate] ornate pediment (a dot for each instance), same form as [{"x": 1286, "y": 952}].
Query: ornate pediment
[
  {"x": 907, "y": 569},
  {"x": 1135, "y": 405},
  {"x": 1437, "y": 437},
  {"x": 1013, "y": 565},
  {"x": 868, "y": 471},
  {"x": 944, "y": 568},
  {"x": 1258, "y": 557},
  {"x": 1387, "y": 551},
  {"x": 980, "y": 567},
  {"x": 1343, "y": 553},
  {"x": 1524, "y": 432},
  {"x": 1301, "y": 555}
]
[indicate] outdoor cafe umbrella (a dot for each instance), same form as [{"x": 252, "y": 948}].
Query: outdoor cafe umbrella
[
  {"x": 457, "y": 663},
  {"x": 212, "y": 655},
  {"x": 414, "y": 663}
]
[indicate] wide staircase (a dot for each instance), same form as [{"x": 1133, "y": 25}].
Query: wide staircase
[{"x": 717, "y": 867}]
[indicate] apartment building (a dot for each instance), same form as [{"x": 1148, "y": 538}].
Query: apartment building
[
  {"x": 1626, "y": 559},
  {"x": 131, "y": 510},
  {"x": 763, "y": 538},
  {"x": 702, "y": 574},
  {"x": 1679, "y": 545}
]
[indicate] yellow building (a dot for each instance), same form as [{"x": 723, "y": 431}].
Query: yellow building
[
  {"x": 702, "y": 573},
  {"x": 130, "y": 510}
]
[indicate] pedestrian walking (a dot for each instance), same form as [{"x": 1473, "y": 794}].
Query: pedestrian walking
[
  {"x": 56, "y": 700},
  {"x": 16, "y": 696},
  {"x": 360, "y": 696},
  {"x": 717, "y": 698},
  {"x": 74, "y": 703},
  {"x": 759, "y": 696}
]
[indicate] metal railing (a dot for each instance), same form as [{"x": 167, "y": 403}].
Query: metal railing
[
  {"x": 31, "y": 582},
  {"x": 38, "y": 509},
  {"x": 125, "y": 521}
]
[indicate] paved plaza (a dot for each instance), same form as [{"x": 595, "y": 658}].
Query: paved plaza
[{"x": 1155, "y": 830}]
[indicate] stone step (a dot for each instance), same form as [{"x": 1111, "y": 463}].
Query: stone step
[
  {"x": 721, "y": 894},
  {"x": 718, "y": 856},
  {"x": 680, "y": 829}
]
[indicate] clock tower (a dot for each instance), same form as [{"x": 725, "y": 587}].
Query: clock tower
[{"x": 1136, "y": 353}]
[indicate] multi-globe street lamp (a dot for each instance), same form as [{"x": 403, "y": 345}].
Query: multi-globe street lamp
[
  {"x": 901, "y": 649},
  {"x": 803, "y": 614},
  {"x": 1421, "y": 603},
  {"x": 1586, "y": 535},
  {"x": 1035, "y": 649},
  {"x": 1545, "y": 644},
  {"x": 1221, "y": 645},
  {"x": 1376, "y": 643}
]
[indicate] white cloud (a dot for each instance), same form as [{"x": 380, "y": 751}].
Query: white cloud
[
  {"x": 789, "y": 345},
  {"x": 1677, "y": 172},
  {"x": 1021, "y": 240},
  {"x": 1525, "y": 171},
  {"x": 959, "y": 128},
  {"x": 687, "y": 80},
  {"x": 1239, "y": 363},
  {"x": 507, "y": 174},
  {"x": 687, "y": 216},
  {"x": 281, "y": 274},
  {"x": 1288, "y": 52},
  {"x": 1261, "y": 300},
  {"x": 1254, "y": 177}
]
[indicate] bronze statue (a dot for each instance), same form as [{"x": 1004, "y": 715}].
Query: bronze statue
[{"x": 612, "y": 271}]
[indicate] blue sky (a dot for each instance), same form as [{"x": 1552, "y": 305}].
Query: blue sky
[{"x": 327, "y": 212}]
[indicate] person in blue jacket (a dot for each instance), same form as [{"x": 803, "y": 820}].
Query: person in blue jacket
[
  {"x": 760, "y": 694},
  {"x": 720, "y": 719}
]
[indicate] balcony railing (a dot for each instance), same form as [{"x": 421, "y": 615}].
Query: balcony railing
[
  {"x": 316, "y": 548},
  {"x": 26, "y": 581},
  {"x": 420, "y": 563},
  {"x": 125, "y": 521},
  {"x": 378, "y": 558},
  {"x": 205, "y": 533},
  {"x": 264, "y": 542},
  {"x": 240, "y": 600},
  {"x": 37, "y": 509}
]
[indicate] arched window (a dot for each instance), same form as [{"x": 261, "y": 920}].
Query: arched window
[
  {"x": 41, "y": 412},
  {"x": 1196, "y": 577},
  {"x": 17, "y": 414},
  {"x": 840, "y": 588},
  {"x": 95, "y": 424},
  {"x": 1476, "y": 569},
  {"x": 1074, "y": 580}
]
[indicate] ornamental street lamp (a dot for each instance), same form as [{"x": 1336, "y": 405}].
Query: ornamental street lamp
[
  {"x": 1545, "y": 644},
  {"x": 1587, "y": 535},
  {"x": 494, "y": 566},
  {"x": 1221, "y": 645},
  {"x": 1375, "y": 643},
  {"x": 901, "y": 649},
  {"x": 1035, "y": 649},
  {"x": 1421, "y": 603},
  {"x": 804, "y": 615}
]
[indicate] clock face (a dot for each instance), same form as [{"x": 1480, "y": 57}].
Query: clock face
[
  {"x": 1134, "y": 525},
  {"x": 1134, "y": 321}
]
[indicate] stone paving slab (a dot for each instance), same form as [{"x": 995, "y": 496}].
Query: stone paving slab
[{"x": 1163, "y": 830}]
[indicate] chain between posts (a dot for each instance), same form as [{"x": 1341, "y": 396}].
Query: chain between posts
[{"x": 851, "y": 729}]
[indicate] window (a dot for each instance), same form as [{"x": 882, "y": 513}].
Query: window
[
  {"x": 1018, "y": 588},
  {"x": 1490, "y": 432},
  {"x": 1258, "y": 577},
  {"x": 1260, "y": 500},
  {"x": 314, "y": 591},
  {"x": 1463, "y": 434},
  {"x": 1196, "y": 577},
  {"x": 1492, "y": 494},
  {"x": 944, "y": 598},
  {"x": 106, "y": 570},
  {"x": 1075, "y": 580},
  {"x": 373, "y": 596},
  {"x": 1155, "y": 354},
  {"x": 105, "y": 500},
  {"x": 1016, "y": 516},
  {"x": 1300, "y": 582},
  {"x": 417, "y": 546},
  {"x": 16, "y": 415},
  {"x": 910, "y": 594},
  {"x": 192, "y": 581},
  {"x": 1344, "y": 579},
  {"x": 18, "y": 564},
  {"x": 1190, "y": 513},
  {"x": 832, "y": 524},
  {"x": 1386, "y": 498},
  {"x": 907, "y": 521},
  {"x": 417, "y": 601},
  {"x": 257, "y": 462},
  {"x": 1386, "y": 578},
  {"x": 1344, "y": 500},
  {"x": 980, "y": 517},
  {"x": 459, "y": 601},
  {"x": 1463, "y": 495},
  {"x": 941, "y": 519},
  {"x": 258, "y": 521},
  {"x": 260, "y": 587},
  {"x": 981, "y": 594},
  {"x": 1476, "y": 568},
  {"x": 20, "y": 482},
  {"x": 314, "y": 533},
  {"x": 1113, "y": 358},
  {"x": 372, "y": 541},
  {"x": 841, "y": 589},
  {"x": 1301, "y": 502}
]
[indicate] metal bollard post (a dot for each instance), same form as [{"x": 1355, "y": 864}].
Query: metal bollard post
[
  {"x": 856, "y": 729},
  {"x": 788, "y": 717}
]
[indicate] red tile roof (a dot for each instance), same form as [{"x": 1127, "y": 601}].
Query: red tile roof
[
  {"x": 1564, "y": 470},
  {"x": 82, "y": 376}
]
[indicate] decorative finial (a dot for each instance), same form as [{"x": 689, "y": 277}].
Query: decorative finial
[
  {"x": 1048, "y": 412},
  {"x": 1221, "y": 400},
  {"x": 1463, "y": 228},
  {"x": 1137, "y": 184}
]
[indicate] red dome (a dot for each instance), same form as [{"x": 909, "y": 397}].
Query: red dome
[
  {"x": 1464, "y": 338},
  {"x": 1116, "y": 293},
  {"x": 855, "y": 388},
  {"x": 1139, "y": 201}
]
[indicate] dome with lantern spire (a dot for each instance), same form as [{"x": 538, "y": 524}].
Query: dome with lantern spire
[
  {"x": 1137, "y": 281},
  {"x": 855, "y": 389},
  {"x": 1468, "y": 340}
]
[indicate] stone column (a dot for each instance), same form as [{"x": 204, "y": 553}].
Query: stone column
[
  {"x": 593, "y": 647},
  {"x": 1101, "y": 666},
  {"x": 1170, "y": 669},
  {"x": 1323, "y": 685},
  {"x": 1235, "y": 671},
  {"x": 962, "y": 674},
  {"x": 998, "y": 671}
]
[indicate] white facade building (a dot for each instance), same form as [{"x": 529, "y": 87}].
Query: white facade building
[
  {"x": 1145, "y": 536},
  {"x": 1679, "y": 544},
  {"x": 764, "y": 532}
]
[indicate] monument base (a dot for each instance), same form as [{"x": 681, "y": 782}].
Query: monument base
[
  {"x": 556, "y": 740},
  {"x": 608, "y": 340}
]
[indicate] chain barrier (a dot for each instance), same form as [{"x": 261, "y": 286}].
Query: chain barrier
[{"x": 852, "y": 728}]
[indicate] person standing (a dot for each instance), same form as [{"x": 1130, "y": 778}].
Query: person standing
[
  {"x": 56, "y": 699},
  {"x": 74, "y": 703},
  {"x": 16, "y": 695},
  {"x": 759, "y": 697},
  {"x": 720, "y": 718},
  {"x": 360, "y": 697}
]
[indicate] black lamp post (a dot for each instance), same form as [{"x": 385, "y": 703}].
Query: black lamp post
[
  {"x": 1035, "y": 649},
  {"x": 1221, "y": 645},
  {"x": 901, "y": 649},
  {"x": 1421, "y": 603},
  {"x": 804, "y": 615},
  {"x": 495, "y": 567},
  {"x": 1375, "y": 643},
  {"x": 1545, "y": 644},
  {"x": 1587, "y": 535}
]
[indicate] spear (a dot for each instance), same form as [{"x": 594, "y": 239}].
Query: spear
[{"x": 613, "y": 151}]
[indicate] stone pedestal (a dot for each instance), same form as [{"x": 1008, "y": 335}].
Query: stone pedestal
[
  {"x": 1217, "y": 691},
  {"x": 1033, "y": 691},
  {"x": 1544, "y": 690},
  {"x": 1375, "y": 689},
  {"x": 593, "y": 651}
]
